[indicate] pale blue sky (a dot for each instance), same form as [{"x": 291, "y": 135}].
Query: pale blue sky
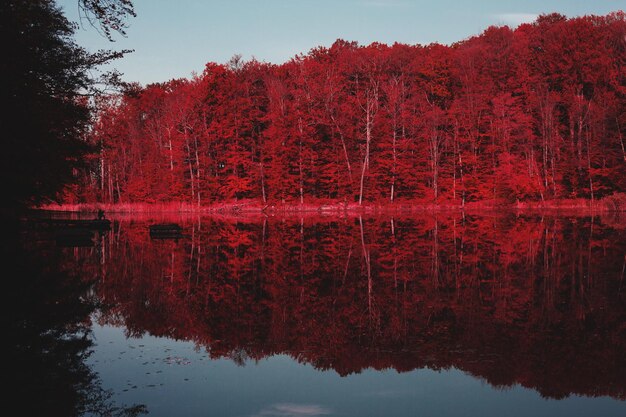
[{"x": 173, "y": 38}]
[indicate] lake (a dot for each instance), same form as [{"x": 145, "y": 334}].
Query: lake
[{"x": 441, "y": 314}]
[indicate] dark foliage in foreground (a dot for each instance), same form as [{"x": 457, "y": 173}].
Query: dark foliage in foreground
[{"x": 45, "y": 89}]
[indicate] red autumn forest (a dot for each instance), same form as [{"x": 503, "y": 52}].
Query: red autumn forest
[{"x": 532, "y": 114}]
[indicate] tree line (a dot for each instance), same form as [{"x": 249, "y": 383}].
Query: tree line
[{"x": 528, "y": 114}]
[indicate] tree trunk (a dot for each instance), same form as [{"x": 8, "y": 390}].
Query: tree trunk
[{"x": 370, "y": 109}]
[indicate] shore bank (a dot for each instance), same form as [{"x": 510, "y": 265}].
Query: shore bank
[{"x": 613, "y": 203}]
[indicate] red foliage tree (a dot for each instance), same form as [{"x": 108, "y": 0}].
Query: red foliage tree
[{"x": 509, "y": 115}]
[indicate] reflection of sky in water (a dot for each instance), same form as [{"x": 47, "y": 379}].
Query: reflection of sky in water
[
  {"x": 175, "y": 379},
  {"x": 294, "y": 410}
]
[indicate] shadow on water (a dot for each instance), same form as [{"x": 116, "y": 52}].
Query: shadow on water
[{"x": 47, "y": 333}]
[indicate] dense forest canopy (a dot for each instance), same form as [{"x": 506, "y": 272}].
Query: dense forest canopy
[{"x": 527, "y": 114}]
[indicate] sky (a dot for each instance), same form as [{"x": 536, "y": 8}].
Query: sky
[{"x": 175, "y": 38}]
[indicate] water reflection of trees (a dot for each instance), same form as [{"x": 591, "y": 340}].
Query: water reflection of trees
[
  {"x": 534, "y": 301},
  {"x": 47, "y": 335}
]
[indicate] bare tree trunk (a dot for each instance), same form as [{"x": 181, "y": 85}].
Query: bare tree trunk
[
  {"x": 434, "y": 159},
  {"x": 193, "y": 191},
  {"x": 395, "y": 160},
  {"x": 621, "y": 139},
  {"x": 395, "y": 97},
  {"x": 198, "y": 171},
  {"x": 301, "y": 179},
  {"x": 589, "y": 170},
  {"x": 171, "y": 151},
  {"x": 370, "y": 110},
  {"x": 366, "y": 159},
  {"x": 102, "y": 175},
  {"x": 119, "y": 192},
  {"x": 454, "y": 153},
  {"x": 262, "y": 182},
  {"x": 345, "y": 149},
  {"x": 110, "y": 182}
]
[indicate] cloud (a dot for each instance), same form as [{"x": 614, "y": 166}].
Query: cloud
[
  {"x": 293, "y": 410},
  {"x": 515, "y": 19}
]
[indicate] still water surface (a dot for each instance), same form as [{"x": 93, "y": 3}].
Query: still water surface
[{"x": 446, "y": 315}]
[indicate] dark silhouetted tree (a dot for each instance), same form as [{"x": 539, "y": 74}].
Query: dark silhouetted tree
[{"x": 46, "y": 86}]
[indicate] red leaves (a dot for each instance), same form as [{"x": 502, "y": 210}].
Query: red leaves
[{"x": 529, "y": 114}]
